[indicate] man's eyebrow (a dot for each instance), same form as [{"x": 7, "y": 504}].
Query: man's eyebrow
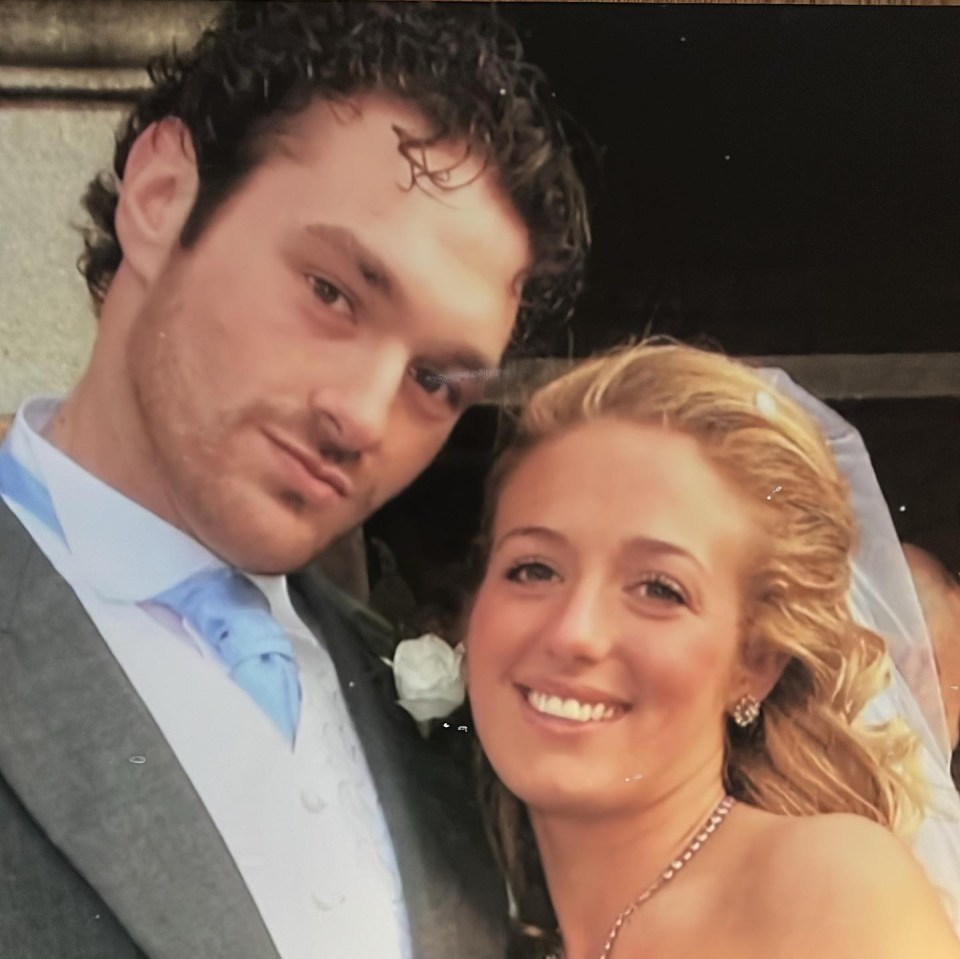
[
  {"x": 466, "y": 363},
  {"x": 376, "y": 273}
]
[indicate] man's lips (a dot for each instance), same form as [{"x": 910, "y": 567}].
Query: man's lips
[{"x": 318, "y": 468}]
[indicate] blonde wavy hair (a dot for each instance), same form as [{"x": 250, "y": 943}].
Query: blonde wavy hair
[{"x": 807, "y": 754}]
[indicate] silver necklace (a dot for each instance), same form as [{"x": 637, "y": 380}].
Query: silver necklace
[{"x": 709, "y": 827}]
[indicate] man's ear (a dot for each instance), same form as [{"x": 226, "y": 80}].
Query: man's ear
[{"x": 156, "y": 196}]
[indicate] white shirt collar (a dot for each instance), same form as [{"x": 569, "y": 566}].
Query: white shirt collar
[
  {"x": 123, "y": 551},
  {"x": 126, "y": 552}
]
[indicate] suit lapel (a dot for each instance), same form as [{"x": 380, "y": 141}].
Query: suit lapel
[
  {"x": 454, "y": 895},
  {"x": 72, "y": 735}
]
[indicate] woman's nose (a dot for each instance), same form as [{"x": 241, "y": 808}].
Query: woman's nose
[{"x": 582, "y": 627}]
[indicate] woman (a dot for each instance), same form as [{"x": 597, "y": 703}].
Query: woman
[{"x": 665, "y": 677}]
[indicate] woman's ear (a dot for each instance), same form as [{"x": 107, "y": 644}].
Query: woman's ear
[
  {"x": 760, "y": 668},
  {"x": 157, "y": 193}
]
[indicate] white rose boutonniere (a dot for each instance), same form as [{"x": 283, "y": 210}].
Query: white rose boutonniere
[{"x": 428, "y": 673}]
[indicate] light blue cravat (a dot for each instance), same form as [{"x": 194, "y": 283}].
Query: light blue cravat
[
  {"x": 233, "y": 616},
  {"x": 224, "y": 607}
]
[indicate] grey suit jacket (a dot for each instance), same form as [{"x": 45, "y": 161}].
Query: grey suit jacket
[{"x": 104, "y": 858}]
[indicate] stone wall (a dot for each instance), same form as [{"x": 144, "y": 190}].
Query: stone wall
[
  {"x": 67, "y": 73},
  {"x": 46, "y": 326}
]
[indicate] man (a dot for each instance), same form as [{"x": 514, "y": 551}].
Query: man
[{"x": 326, "y": 221}]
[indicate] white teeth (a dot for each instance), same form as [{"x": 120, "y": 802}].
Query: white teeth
[{"x": 571, "y": 709}]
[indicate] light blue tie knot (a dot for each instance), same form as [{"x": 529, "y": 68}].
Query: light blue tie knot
[{"x": 232, "y": 616}]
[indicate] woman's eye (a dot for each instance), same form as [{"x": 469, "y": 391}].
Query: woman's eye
[
  {"x": 663, "y": 590},
  {"x": 530, "y": 572},
  {"x": 328, "y": 294}
]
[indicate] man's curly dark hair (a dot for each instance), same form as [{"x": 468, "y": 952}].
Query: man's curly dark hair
[{"x": 460, "y": 66}]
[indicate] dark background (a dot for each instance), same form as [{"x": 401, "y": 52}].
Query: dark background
[
  {"x": 777, "y": 180},
  {"x": 783, "y": 179}
]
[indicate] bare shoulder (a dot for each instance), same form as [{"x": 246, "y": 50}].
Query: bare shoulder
[{"x": 838, "y": 885}]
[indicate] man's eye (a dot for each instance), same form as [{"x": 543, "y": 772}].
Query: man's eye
[
  {"x": 430, "y": 380},
  {"x": 460, "y": 388},
  {"x": 328, "y": 294},
  {"x": 439, "y": 385},
  {"x": 530, "y": 572}
]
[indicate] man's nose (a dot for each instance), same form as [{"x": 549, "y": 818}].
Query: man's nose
[
  {"x": 353, "y": 413},
  {"x": 582, "y": 628}
]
